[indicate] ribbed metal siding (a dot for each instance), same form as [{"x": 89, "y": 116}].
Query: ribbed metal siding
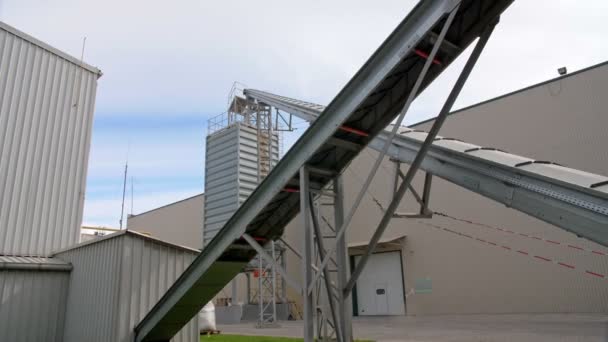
[
  {"x": 221, "y": 179},
  {"x": 116, "y": 281},
  {"x": 231, "y": 173},
  {"x": 32, "y": 305},
  {"x": 46, "y": 110}
]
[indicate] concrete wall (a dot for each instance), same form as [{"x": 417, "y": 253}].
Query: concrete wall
[
  {"x": 32, "y": 304},
  {"x": 47, "y": 100},
  {"x": 115, "y": 282},
  {"x": 179, "y": 223}
]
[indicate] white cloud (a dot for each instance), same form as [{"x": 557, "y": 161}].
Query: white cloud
[{"x": 159, "y": 56}]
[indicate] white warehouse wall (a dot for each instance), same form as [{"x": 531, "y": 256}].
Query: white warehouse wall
[{"x": 47, "y": 99}]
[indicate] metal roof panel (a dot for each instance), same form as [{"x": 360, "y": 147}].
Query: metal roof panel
[{"x": 572, "y": 176}]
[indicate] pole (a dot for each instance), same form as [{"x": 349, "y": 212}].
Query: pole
[
  {"x": 328, "y": 288},
  {"x": 344, "y": 302},
  {"x": 131, "y": 195},
  {"x": 307, "y": 257},
  {"x": 274, "y": 284},
  {"x": 124, "y": 191},
  {"x": 260, "y": 292}
]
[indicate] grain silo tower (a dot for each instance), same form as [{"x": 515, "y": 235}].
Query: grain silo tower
[{"x": 242, "y": 147}]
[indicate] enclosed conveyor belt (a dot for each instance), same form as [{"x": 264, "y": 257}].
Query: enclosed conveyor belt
[
  {"x": 367, "y": 104},
  {"x": 571, "y": 199}
]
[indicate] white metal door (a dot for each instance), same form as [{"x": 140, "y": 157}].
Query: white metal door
[
  {"x": 380, "y": 286},
  {"x": 381, "y": 299}
]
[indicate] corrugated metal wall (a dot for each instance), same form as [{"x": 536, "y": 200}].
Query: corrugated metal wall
[
  {"x": 32, "y": 305},
  {"x": 221, "y": 179},
  {"x": 46, "y": 113},
  {"x": 231, "y": 173},
  {"x": 115, "y": 282}
]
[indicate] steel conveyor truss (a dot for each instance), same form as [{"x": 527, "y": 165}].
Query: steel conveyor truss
[
  {"x": 571, "y": 199},
  {"x": 435, "y": 31}
]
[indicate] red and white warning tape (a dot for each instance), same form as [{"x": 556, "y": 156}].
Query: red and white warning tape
[
  {"x": 519, "y": 251},
  {"x": 508, "y": 231}
]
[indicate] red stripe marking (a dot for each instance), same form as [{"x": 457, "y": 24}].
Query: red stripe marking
[
  {"x": 599, "y": 253},
  {"x": 506, "y": 247},
  {"x": 291, "y": 190},
  {"x": 523, "y": 252},
  {"x": 354, "y": 131},
  {"x": 575, "y": 247},
  {"x": 554, "y": 242},
  {"x": 541, "y": 258},
  {"x": 426, "y": 55},
  {"x": 595, "y": 274},
  {"x": 566, "y": 265}
]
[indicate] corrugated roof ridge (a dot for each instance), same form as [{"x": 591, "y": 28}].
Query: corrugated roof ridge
[
  {"x": 49, "y": 48},
  {"x": 124, "y": 232}
]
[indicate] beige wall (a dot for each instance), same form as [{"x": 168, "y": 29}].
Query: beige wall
[
  {"x": 179, "y": 223},
  {"x": 563, "y": 121}
]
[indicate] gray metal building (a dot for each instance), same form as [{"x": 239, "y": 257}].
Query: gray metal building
[
  {"x": 52, "y": 289},
  {"x": 116, "y": 280},
  {"x": 47, "y": 100},
  {"x": 33, "y": 294}
]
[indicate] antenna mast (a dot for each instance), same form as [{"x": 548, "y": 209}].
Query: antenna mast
[
  {"x": 131, "y": 195},
  {"x": 124, "y": 190}
]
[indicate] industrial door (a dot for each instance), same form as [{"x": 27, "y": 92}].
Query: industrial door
[{"x": 380, "y": 286}]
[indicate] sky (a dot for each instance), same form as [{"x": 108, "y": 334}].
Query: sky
[{"x": 169, "y": 66}]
